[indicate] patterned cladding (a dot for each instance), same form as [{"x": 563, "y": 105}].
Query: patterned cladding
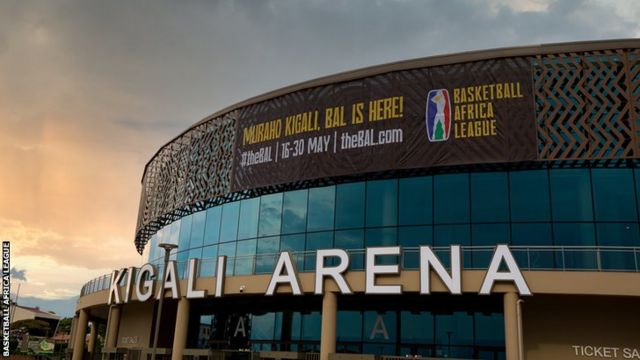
[{"x": 587, "y": 106}]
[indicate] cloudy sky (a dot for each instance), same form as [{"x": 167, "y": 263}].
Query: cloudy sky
[{"x": 90, "y": 89}]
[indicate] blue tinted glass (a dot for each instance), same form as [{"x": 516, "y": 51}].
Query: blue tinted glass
[
  {"x": 294, "y": 216},
  {"x": 262, "y": 326},
  {"x": 416, "y": 201},
  {"x": 315, "y": 241},
  {"x": 379, "y": 327},
  {"x": 153, "y": 248},
  {"x": 349, "y": 326},
  {"x": 321, "y": 208},
  {"x": 410, "y": 237},
  {"x": 208, "y": 262},
  {"x": 571, "y": 195},
  {"x": 533, "y": 234},
  {"x": 416, "y": 327},
  {"x": 185, "y": 233},
  {"x": 382, "y": 203},
  {"x": 182, "y": 258},
  {"x": 381, "y": 237},
  {"x": 294, "y": 244},
  {"x": 195, "y": 253},
  {"x": 197, "y": 229},
  {"x": 245, "y": 255},
  {"x": 455, "y": 333},
  {"x": 270, "y": 215},
  {"x": 212, "y": 228},
  {"x": 529, "y": 195},
  {"x": 451, "y": 198},
  {"x": 350, "y": 205},
  {"x": 612, "y": 190},
  {"x": 248, "y": 225},
  {"x": 487, "y": 235},
  {"x": 489, "y": 197},
  {"x": 267, "y": 250},
  {"x": 352, "y": 239},
  {"x": 229, "y": 226},
  {"x": 311, "y": 326},
  {"x": 618, "y": 234},
  {"x": 228, "y": 250},
  {"x": 489, "y": 330},
  {"x": 446, "y": 235},
  {"x": 575, "y": 234}
]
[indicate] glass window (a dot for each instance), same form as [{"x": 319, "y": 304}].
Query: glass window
[
  {"x": 379, "y": 327},
  {"x": 529, "y": 195},
  {"x": 321, "y": 208},
  {"x": 532, "y": 234},
  {"x": 262, "y": 326},
  {"x": 382, "y": 203},
  {"x": 350, "y": 205},
  {"x": 446, "y": 235},
  {"x": 416, "y": 201},
  {"x": 612, "y": 190},
  {"x": 311, "y": 326},
  {"x": 229, "y": 226},
  {"x": 268, "y": 248},
  {"x": 489, "y": 329},
  {"x": 197, "y": 229},
  {"x": 209, "y": 261},
  {"x": 185, "y": 233},
  {"x": 245, "y": 254},
  {"x": 352, "y": 239},
  {"x": 489, "y": 197},
  {"x": 451, "y": 198},
  {"x": 270, "y": 215},
  {"x": 454, "y": 335},
  {"x": 487, "y": 235},
  {"x": 315, "y": 241},
  {"x": 411, "y": 237},
  {"x": 248, "y": 227},
  {"x": 349, "y": 326},
  {"x": 618, "y": 234},
  {"x": 294, "y": 216},
  {"x": 212, "y": 229},
  {"x": 294, "y": 244},
  {"x": 575, "y": 234},
  {"x": 228, "y": 250},
  {"x": 416, "y": 327},
  {"x": 571, "y": 195},
  {"x": 381, "y": 237}
]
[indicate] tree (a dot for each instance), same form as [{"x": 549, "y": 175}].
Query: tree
[
  {"x": 65, "y": 325},
  {"x": 34, "y": 327}
]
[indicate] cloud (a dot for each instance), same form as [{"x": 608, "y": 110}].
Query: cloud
[{"x": 18, "y": 274}]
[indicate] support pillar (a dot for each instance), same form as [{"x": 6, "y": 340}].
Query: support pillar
[
  {"x": 511, "y": 327},
  {"x": 182, "y": 327},
  {"x": 81, "y": 333},
  {"x": 328, "y": 335},
  {"x": 113, "y": 325},
  {"x": 93, "y": 334}
]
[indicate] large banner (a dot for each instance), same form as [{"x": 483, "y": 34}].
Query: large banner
[{"x": 449, "y": 115}]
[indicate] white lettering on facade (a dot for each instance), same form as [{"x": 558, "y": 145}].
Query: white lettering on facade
[
  {"x": 277, "y": 278},
  {"x": 335, "y": 272},
  {"x": 372, "y": 270},
  {"x": 191, "y": 292},
  {"x": 513, "y": 274},
  {"x": 170, "y": 281},
  {"x": 429, "y": 260}
]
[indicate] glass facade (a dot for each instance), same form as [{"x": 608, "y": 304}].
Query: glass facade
[{"x": 565, "y": 208}]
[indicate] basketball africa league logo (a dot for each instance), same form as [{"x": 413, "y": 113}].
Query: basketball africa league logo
[{"x": 438, "y": 115}]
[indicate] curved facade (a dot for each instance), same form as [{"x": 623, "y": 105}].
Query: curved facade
[{"x": 534, "y": 148}]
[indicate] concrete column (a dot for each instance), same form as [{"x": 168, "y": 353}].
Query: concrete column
[
  {"x": 93, "y": 334},
  {"x": 81, "y": 332},
  {"x": 511, "y": 325},
  {"x": 328, "y": 335},
  {"x": 182, "y": 327},
  {"x": 113, "y": 325}
]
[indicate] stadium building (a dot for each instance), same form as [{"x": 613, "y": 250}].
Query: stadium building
[{"x": 481, "y": 205}]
